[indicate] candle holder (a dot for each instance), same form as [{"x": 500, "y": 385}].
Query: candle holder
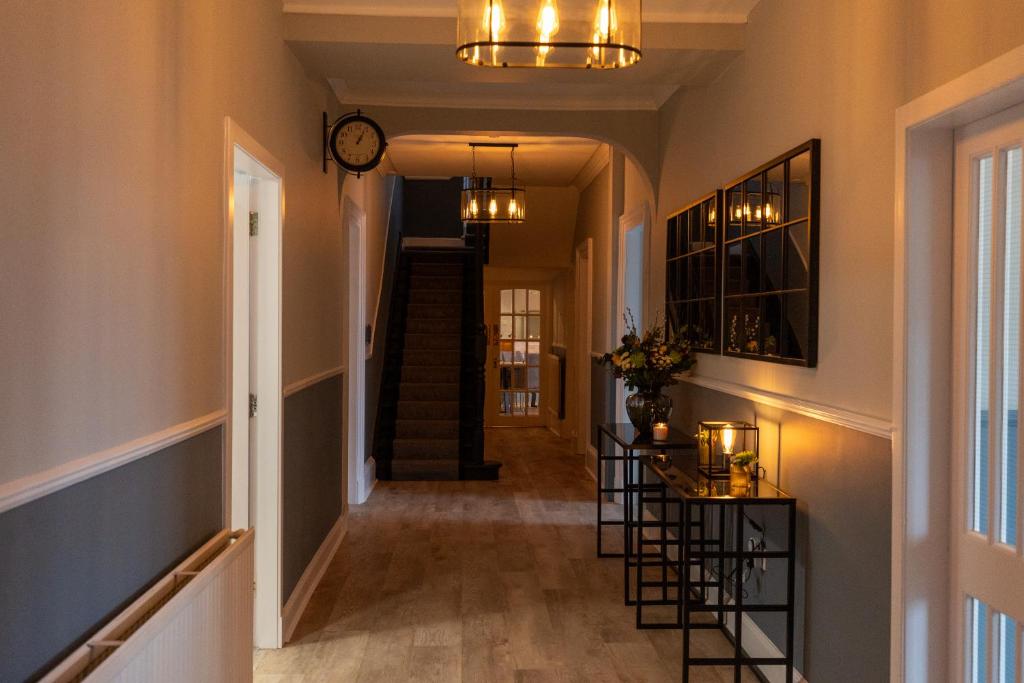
[
  {"x": 660, "y": 430},
  {"x": 718, "y": 441}
]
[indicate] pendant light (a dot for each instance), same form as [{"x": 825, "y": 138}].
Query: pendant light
[
  {"x": 583, "y": 34},
  {"x": 484, "y": 203}
]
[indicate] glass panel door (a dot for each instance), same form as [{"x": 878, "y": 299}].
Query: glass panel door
[
  {"x": 988, "y": 567},
  {"x": 516, "y": 322}
]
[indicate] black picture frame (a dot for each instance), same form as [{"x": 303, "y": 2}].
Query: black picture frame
[
  {"x": 769, "y": 260},
  {"x": 693, "y": 282}
]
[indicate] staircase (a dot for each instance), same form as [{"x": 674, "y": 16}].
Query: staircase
[{"x": 427, "y": 432}]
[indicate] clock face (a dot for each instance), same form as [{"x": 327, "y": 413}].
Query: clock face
[{"x": 357, "y": 143}]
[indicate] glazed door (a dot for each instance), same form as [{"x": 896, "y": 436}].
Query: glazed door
[{"x": 515, "y": 324}]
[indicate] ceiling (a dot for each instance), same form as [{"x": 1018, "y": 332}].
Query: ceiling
[
  {"x": 715, "y": 11},
  {"x": 392, "y": 53},
  {"x": 549, "y": 161}
]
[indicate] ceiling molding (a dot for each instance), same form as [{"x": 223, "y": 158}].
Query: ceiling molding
[
  {"x": 436, "y": 99},
  {"x": 593, "y": 167}
]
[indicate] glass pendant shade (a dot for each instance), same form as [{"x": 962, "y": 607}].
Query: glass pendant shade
[
  {"x": 584, "y": 34},
  {"x": 482, "y": 203}
]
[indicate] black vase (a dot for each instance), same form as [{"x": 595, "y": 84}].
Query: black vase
[{"x": 645, "y": 408}]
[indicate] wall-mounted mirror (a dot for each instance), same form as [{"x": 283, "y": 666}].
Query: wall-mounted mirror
[
  {"x": 693, "y": 281},
  {"x": 770, "y": 260}
]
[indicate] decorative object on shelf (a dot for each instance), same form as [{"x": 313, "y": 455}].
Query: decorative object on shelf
[
  {"x": 660, "y": 431},
  {"x": 648, "y": 363},
  {"x": 720, "y": 442},
  {"x": 693, "y": 296},
  {"x": 583, "y": 34},
  {"x": 770, "y": 260},
  {"x": 484, "y": 203},
  {"x": 662, "y": 459},
  {"x": 355, "y": 142},
  {"x": 740, "y": 473}
]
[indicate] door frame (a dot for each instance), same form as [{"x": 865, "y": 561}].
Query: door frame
[
  {"x": 360, "y": 469},
  {"x": 583, "y": 331},
  {"x": 922, "y": 352},
  {"x": 263, "y": 484},
  {"x": 637, "y": 218}
]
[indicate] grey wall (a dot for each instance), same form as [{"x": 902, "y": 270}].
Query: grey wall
[
  {"x": 74, "y": 559},
  {"x": 842, "y": 480},
  {"x": 312, "y": 475},
  {"x": 433, "y": 208}
]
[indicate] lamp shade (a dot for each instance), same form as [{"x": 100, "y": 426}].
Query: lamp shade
[{"x": 585, "y": 34}]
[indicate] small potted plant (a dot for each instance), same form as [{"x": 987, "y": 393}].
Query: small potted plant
[
  {"x": 740, "y": 473},
  {"x": 648, "y": 362}
]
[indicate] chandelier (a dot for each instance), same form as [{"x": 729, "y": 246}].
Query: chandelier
[
  {"x": 483, "y": 203},
  {"x": 583, "y": 34}
]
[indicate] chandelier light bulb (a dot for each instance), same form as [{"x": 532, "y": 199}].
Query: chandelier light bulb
[{"x": 492, "y": 208}]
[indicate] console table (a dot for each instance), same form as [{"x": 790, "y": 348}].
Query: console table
[
  {"x": 715, "y": 533},
  {"x": 625, "y": 438}
]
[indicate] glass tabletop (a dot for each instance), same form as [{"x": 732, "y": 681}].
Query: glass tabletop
[
  {"x": 627, "y": 436},
  {"x": 685, "y": 485}
]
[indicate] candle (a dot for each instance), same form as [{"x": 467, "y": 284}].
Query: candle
[{"x": 660, "y": 431}]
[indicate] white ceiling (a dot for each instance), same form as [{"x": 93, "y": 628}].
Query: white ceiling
[
  {"x": 715, "y": 11},
  {"x": 392, "y": 53},
  {"x": 550, "y": 161}
]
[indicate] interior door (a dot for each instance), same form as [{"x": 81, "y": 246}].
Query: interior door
[
  {"x": 988, "y": 567},
  {"x": 515, "y": 324}
]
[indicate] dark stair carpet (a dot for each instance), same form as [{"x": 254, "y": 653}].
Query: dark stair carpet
[{"x": 426, "y": 444}]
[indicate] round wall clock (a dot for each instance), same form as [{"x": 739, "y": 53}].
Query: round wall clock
[{"x": 356, "y": 143}]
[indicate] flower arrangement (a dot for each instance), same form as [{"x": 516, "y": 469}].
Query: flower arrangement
[
  {"x": 648, "y": 361},
  {"x": 744, "y": 459}
]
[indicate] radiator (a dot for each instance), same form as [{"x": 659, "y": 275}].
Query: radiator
[{"x": 194, "y": 625}]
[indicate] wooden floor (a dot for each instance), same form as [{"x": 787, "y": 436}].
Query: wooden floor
[{"x": 480, "y": 581}]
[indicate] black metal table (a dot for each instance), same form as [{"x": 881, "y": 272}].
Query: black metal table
[
  {"x": 715, "y": 553},
  {"x": 630, "y": 442}
]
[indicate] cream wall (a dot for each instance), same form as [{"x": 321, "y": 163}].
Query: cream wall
[
  {"x": 545, "y": 239},
  {"x": 810, "y": 69},
  {"x": 594, "y": 220},
  {"x": 112, "y": 270},
  {"x": 946, "y": 38}
]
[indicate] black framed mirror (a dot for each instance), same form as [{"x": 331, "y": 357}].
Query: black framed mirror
[
  {"x": 770, "y": 260},
  {"x": 693, "y": 280}
]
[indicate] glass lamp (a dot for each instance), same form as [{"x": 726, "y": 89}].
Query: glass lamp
[
  {"x": 482, "y": 202},
  {"x": 584, "y": 34},
  {"x": 718, "y": 441}
]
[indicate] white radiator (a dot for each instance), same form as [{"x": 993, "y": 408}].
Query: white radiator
[{"x": 194, "y": 625}]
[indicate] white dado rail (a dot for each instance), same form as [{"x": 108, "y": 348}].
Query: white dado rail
[
  {"x": 868, "y": 424},
  {"x": 32, "y": 487}
]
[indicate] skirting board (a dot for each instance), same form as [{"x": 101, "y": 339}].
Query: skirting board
[
  {"x": 591, "y": 457},
  {"x": 310, "y": 579},
  {"x": 27, "y": 489},
  {"x": 367, "y": 483},
  {"x": 763, "y": 645}
]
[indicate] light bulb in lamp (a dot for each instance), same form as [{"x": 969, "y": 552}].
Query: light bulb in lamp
[
  {"x": 494, "y": 24},
  {"x": 474, "y": 207},
  {"x": 547, "y": 27},
  {"x": 513, "y": 208},
  {"x": 492, "y": 208},
  {"x": 728, "y": 440},
  {"x": 606, "y": 24}
]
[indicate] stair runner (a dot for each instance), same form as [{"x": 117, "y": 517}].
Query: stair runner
[{"x": 426, "y": 444}]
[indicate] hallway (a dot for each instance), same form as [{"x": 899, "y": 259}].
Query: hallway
[{"x": 479, "y": 581}]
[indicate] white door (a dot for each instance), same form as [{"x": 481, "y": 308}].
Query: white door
[
  {"x": 631, "y": 294},
  {"x": 515, "y": 320},
  {"x": 988, "y": 567}
]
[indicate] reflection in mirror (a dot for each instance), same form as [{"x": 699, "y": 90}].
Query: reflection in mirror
[
  {"x": 735, "y": 202},
  {"x": 773, "y": 260},
  {"x": 771, "y": 326},
  {"x": 799, "y": 187},
  {"x": 797, "y": 256},
  {"x": 733, "y": 269},
  {"x": 751, "y": 265},
  {"x": 797, "y": 310},
  {"x": 752, "y": 205}
]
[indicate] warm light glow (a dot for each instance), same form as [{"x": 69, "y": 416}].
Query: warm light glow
[
  {"x": 513, "y": 207},
  {"x": 728, "y": 439},
  {"x": 494, "y": 24},
  {"x": 492, "y": 208},
  {"x": 607, "y": 23},
  {"x": 712, "y": 216},
  {"x": 547, "y": 27},
  {"x": 474, "y": 208}
]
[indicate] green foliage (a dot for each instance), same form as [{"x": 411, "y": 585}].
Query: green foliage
[
  {"x": 649, "y": 361},
  {"x": 744, "y": 458}
]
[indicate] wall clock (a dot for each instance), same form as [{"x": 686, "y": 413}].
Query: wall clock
[{"x": 355, "y": 142}]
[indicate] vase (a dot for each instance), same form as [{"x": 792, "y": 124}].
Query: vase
[
  {"x": 644, "y": 408},
  {"x": 739, "y": 481}
]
